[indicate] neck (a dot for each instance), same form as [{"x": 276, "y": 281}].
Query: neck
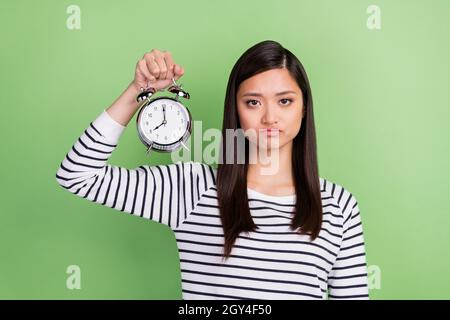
[{"x": 270, "y": 167}]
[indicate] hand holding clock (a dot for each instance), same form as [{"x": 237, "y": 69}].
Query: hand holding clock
[{"x": 156, "y": 69}]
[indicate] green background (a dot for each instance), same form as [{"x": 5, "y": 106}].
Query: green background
[{"x": 381, "y": 100}]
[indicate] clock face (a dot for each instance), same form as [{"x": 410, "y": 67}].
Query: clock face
[{"x": 164, "y": 121}]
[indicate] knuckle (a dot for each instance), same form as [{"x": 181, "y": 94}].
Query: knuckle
[{"x": 155, "y": 70}]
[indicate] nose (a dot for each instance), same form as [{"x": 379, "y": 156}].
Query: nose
[{"x": 269, "y": 117}]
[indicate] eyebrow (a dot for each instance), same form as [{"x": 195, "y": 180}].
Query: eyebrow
[{"x": 260, "y": 95}]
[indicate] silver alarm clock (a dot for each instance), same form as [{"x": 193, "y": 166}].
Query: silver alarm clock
[{"x": 163, "y": 123}]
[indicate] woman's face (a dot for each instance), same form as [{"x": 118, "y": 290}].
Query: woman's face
[{"x": 271, "y": 99}]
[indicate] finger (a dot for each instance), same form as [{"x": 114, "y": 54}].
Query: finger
[
  {"x": 141, "y": 80},
  {"x": 171, "y": 74},
  {"x": 142, "y": 67},
  {"x": 169, "y": 63},
  {"x": 178, "y": 71},
  {"x": 162, "y": 67},
  {"x": 152, "y": 66}
]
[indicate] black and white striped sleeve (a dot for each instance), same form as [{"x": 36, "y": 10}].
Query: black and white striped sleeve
[
  {"x": 348, "y": 276},
  {"x": 163, "y": 193}
]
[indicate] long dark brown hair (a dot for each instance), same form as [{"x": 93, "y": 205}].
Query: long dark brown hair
[{"x": 232, "y": 177}]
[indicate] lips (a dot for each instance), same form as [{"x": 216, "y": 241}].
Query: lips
[{"x": 271, "y": 131}]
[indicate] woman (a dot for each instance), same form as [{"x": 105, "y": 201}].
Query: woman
[{"x": 244, "y": 230}]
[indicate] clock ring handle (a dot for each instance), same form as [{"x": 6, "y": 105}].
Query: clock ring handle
[
  {"x": 175, "y": 88},
  {"x": 145, "y": 93}
]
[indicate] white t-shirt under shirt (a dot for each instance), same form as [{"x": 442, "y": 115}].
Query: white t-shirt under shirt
[{"x": 273, "y": 262}]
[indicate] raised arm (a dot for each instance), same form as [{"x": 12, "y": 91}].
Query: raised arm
[{"x": 163, "y": 193}]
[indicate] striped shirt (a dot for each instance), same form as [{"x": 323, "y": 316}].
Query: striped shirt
[{"x": 272, "y": 262}]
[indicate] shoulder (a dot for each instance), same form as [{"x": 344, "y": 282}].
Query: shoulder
[{"x": 340, "y": 196}]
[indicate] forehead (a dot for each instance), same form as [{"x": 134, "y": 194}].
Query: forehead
[{"x": 269, "y": 82}]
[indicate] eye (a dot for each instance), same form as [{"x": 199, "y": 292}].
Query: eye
[
  {"x": 290, "y": 101},
  {"x": 253, "y": 105}
]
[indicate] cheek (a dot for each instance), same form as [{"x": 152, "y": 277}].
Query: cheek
[
  {"x": 246, "y": 119},
  {"x": 248, "y": 122},
  {"x": 293, "y": 122}
]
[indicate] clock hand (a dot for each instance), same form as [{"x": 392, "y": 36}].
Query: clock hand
[
  {"x": 164, "y": 115},
  {"x": 159, "y": 125},
  {"x": 164, "y": 119}
]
